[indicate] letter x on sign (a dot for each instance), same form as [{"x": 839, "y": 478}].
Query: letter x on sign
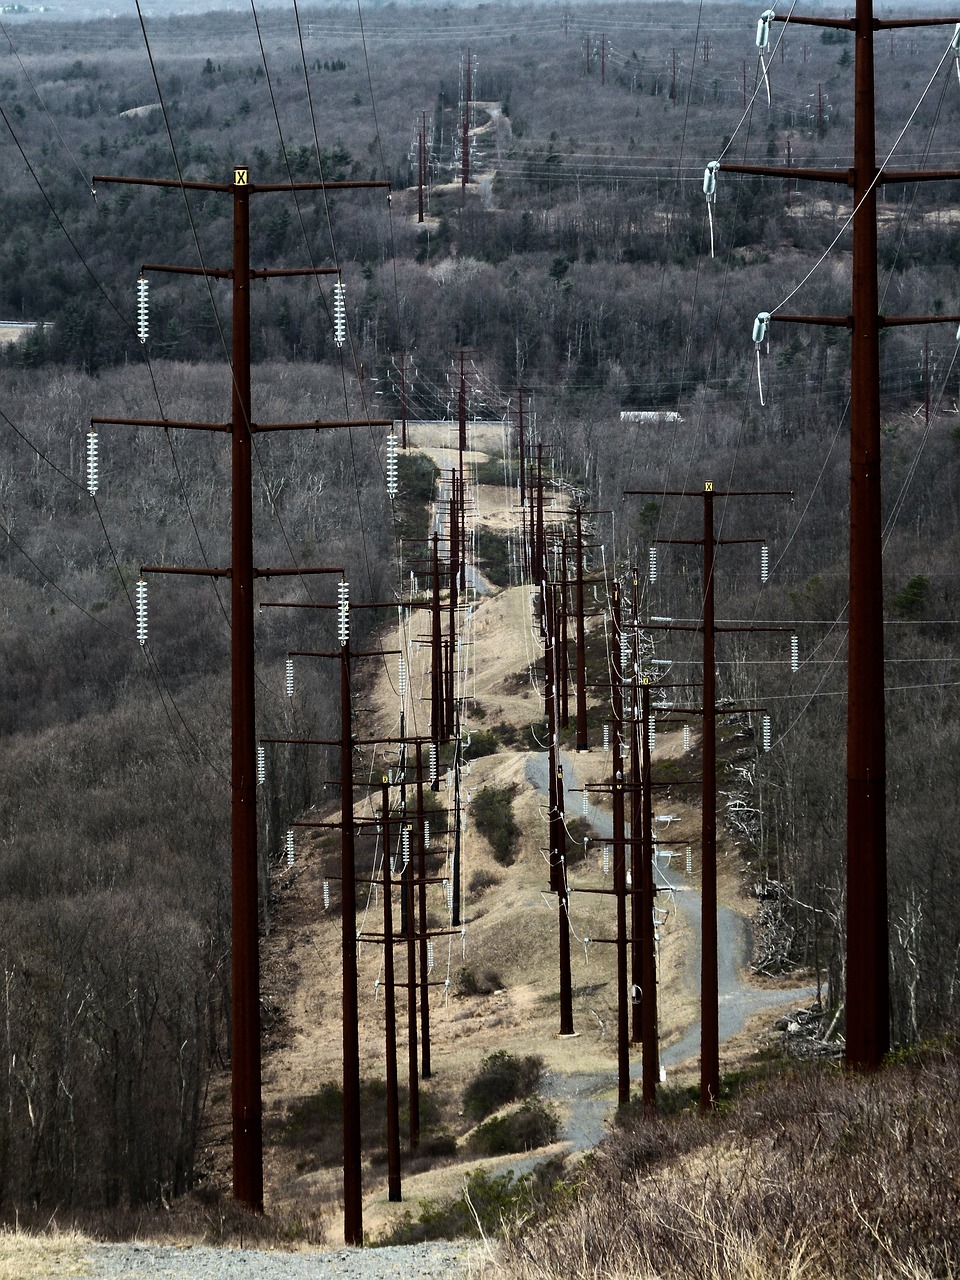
[{"x": 241, "y": 178}]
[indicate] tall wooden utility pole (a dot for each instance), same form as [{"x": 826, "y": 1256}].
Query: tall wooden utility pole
[
  {"x": 867, "y": 955},
  {"x": 245, "y": 962},
  {"x": 707, "y": 626}
]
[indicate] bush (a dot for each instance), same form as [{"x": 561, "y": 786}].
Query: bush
[
  {"x": 532, "y": 1124},
  {"x": 481, "y": 881},
  {"x": 467, "y": 982},
  {"x": 503, "y": 1078},
  {"x": 482, "y": 743},
  {"x": 492, "y": 810},
  {"x": 488, "y": 1203},
  {"x": 493, "y": 556}
]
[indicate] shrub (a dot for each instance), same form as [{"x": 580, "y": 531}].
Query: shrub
[
  {"x": 467, "y": 982},
  {"x": 493, "y": 814},
  {"x": 532, "y": 1124},
  {"x": 481, "y": 881},
  {"x": 488, "y": 1203},
  {"x": 503, "y": 1078},
  {"x": 482, "y": 743}
]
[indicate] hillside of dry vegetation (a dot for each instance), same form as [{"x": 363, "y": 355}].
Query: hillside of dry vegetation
[{"x": 809, "y": 1174}]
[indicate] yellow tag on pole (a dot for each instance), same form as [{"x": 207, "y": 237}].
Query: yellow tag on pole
[{"x": 241, "y": 177}]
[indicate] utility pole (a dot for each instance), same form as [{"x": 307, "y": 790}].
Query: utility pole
[
  {"x": 556, "y": 827},
  {"x": 867, "y": 942},
  {"x": 465, "y": 126},
  {"x": 421, "y": 166},
  {"x": 583, "y": 740},
  {"x": 247, "y": 1119},
  {"x": 707, "y": 626}
]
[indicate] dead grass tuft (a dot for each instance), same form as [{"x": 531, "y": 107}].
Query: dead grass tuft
[{"x": 34, "y": 1257}]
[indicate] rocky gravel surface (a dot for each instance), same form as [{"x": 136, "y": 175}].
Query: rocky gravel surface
[{"x": 439, "y": 1260}]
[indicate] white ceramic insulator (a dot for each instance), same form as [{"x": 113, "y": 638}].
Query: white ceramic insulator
[
  {"x": 343, "y": 611},
  {"x": 794, "y": 653},
  {"x": 339, "y": 315},
  {"x": 141, "y": 606},
  {"x": 288, "y": 683},
  {"x": 767, "y": 733},
  {"x": 326, "y": 895},
  {"x": 261, "y": 766},
  {"x": 686, "y": 737},
  {"x": 143, "y": 308},
  {"x": 652, "y": 565},
  {"x": 392, "y": 475},
  {"x": 764, "y": 563},
  {"x": 290, "y": 847},
  {"x": 93, "y": 463}
]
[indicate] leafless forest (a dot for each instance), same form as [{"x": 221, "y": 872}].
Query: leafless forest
[{"x": 576, "y": 263}]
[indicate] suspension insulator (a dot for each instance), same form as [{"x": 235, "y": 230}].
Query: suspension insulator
[
  {"x": 143, "y": 308},
  {"x": 343, "y": 611},
  {"x": 339, "y": 315},
  {"x": 392, "y": 472},
  {"x": 93, "y": 463},
  {"x": 141, "y": 609}
]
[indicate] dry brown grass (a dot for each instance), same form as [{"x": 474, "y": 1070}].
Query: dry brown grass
[
  {"x": 811, "y": 1175},
  {"x": 34, "y": 1257}
]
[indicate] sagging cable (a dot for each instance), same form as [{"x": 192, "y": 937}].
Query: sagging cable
[
  {"x": 955, "y": 46},
  {"x": 760, "y": 326}
]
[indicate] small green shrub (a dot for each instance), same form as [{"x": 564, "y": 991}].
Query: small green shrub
[
  {"x": 482, "y": 743},
  {"x": 488, "y": 1203},
  {"x": 503, "y": 1078},
  {"x": 532, "y": 1124},
  {"x": 493, "y": 556},
  {"x": 492, "y": 810}
]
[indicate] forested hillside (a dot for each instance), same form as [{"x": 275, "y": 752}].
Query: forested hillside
[{"x": 575, "y": 262}]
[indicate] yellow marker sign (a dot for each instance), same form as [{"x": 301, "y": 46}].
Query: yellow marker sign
[
  {"x": 708, "y": 486},
  {"x": 241, "y": 177}
]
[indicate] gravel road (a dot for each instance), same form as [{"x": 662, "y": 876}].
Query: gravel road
[{"x": 439, "y": 1260}]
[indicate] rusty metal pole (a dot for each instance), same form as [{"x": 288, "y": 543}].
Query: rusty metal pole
[
  {"x": 437, "y": 700},
  {"x": 868, "y": 1005},
  {"x": 619, "y": 854},
  {"x": 650, "y": 1036},
  {"x": 560, "y": 631},
  {"x": 425, "y": 1066},
  {"x": 352, "y": 1171},
  {"x": 245, "y": 966},
  {"x": 390, "y": 1011},
  {"x": 557, "y": 832},
  {"x": 403, "y": 395},
  {"x": 636, "y": 856},
  {"x": 583, "y": 741},
  {"x": 709, "y": 982},
  {"x": 421, "y": 166},
  {"x": 413, "y": 1075}
]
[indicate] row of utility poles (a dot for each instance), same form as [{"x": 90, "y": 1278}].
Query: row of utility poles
[{"x": 867, "y": 1010}]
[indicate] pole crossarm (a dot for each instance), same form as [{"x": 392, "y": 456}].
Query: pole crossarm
[
  {"x": 849, "y": 24},
  {"x": 226, "y": 273},
  {"x": 845, "y": 177},
  {"x": 228, "y": 188},
  {"x": 314, "y": 425}
]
